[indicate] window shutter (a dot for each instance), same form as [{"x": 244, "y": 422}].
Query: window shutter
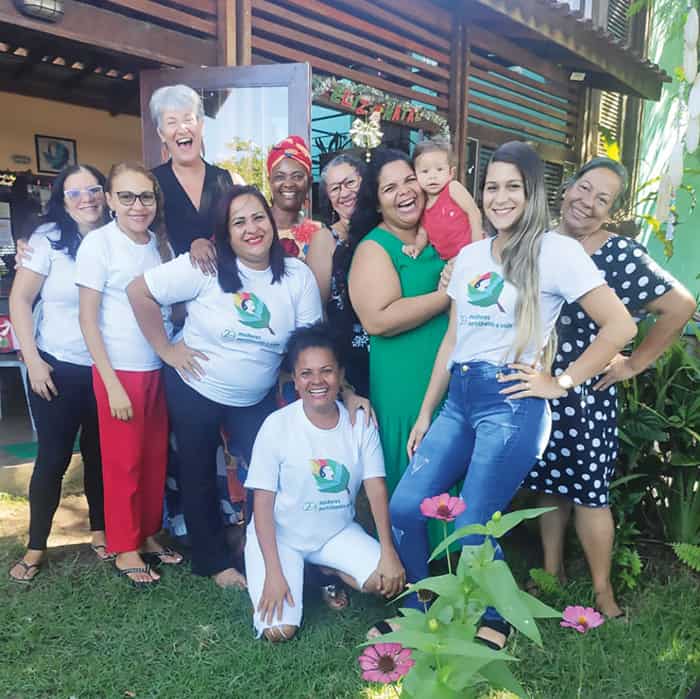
[{"x": 618, "y": 20}]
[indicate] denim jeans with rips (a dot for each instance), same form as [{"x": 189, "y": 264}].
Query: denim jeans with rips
[{"x": 480, "y": 436}]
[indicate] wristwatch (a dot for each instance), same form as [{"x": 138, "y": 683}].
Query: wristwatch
[{"x": 566, "y": 383}]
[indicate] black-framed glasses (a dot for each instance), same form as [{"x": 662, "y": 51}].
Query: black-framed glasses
[
  {"x": 352, "y": 184},
  {"x": 127, "y": 198},
  {"x": 75, "y": 194}
]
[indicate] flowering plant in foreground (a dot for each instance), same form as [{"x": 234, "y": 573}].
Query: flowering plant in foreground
[
  {"x": 583, "y": 619},
  {"x": 447, "y": 661}
]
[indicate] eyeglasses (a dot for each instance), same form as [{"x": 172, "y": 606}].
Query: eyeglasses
[
  {"x": 129, "y": 198},
  {"x": 350, "y": 183},
  {"x": 90, "y": 192}
]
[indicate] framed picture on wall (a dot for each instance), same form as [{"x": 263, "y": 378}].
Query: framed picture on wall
[{"x": 54, "y": 153}]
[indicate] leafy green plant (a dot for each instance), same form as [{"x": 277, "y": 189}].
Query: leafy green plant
[
  {"x": 689, "y": 554},
  {"x": 447, "y": 662},
  {"x": 659, "y": 431},
  {"x": 625, "y": 497},
  {"x": 549, "y": 584}
]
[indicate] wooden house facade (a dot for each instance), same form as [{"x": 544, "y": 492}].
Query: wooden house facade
[{"x": 487, "y": 70}]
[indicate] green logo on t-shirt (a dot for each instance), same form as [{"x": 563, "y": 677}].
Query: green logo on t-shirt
[
  {"x": 485, "y": 290},
  {"x": 252, "y": 311},
  {"x": 330, "y": 476}
]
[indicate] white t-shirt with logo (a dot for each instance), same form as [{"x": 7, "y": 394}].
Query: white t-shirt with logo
[
  {"x": 315, "y": 473},
  {"x": 107, "y": 261},
  {"x": 486, "y": 302},
  {"x": 244, "y": 334},
  {"x": 58, "y": 331}
]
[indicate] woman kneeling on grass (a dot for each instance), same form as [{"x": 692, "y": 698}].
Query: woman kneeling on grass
[{"x": 307, "y": 465}]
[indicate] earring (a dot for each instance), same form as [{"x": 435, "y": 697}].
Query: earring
[{"x": 112, "y": 213}]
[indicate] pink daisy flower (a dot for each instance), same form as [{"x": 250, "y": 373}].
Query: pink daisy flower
[
  {"x": 385, "y": 662},
  {"x": 444, "y": 507},
  {"x": 581, "y": 618}
]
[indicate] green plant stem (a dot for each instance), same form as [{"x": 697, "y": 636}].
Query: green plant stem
[
  {"x": 580, "y": 669},
  {"x": 449, "y": 562}
]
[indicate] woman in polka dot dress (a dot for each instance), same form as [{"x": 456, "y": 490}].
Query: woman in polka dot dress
[{"x": 579, "y": 462}]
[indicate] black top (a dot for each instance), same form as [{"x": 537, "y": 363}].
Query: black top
[
  {"x": 353, "y": 339},
  {"x": 182, "y": 221}
]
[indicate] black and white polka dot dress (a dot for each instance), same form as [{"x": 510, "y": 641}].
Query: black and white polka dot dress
[{"x": 579, "y": 462}]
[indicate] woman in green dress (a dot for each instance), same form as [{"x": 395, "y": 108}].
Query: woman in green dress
[{"x": 400, "y": 301}]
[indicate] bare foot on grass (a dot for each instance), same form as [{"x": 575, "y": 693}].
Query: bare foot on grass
[{"x": 230, "y": 577}]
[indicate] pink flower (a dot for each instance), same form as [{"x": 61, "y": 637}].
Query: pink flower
[
  {"x": 444, "y": 507},
  {"x": 581, "y": 618},
  {"x": 385, "y": 662}
]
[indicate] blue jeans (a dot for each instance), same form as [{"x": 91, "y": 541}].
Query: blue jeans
[{"x": 481, "y": 436}]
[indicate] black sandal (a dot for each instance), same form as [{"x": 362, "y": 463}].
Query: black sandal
[
  {"x": 156, "y": 557},
  {"x": 125, "y": 572},
  {"x": 384, "y": 628},
  {"x": 26, "y": 567},
  {"x": 100, "y": 550},
  {"x": 499, "y": 626},
  {"x": 335, "y": 596}
]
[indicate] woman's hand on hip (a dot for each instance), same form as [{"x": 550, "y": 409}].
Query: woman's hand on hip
[
  {"x": 184, "y": 360},
  {"x": 203, "y": 255},
  {"x": 618, "y": 369},
  {"x": 120, "y": 403},
  {"x": 528, "y": 382},
  {"x": 40, "y": 379},
  {"x": 420, "y": 427},
  {"x": 353, "y": 403},
  {"x": 392, "y": 576},
  {"x": 274, "y": 594}
]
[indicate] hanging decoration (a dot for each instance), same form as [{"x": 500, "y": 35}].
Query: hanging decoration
[
  {"x": 366, "y": 134},
  {"x": 672, "y": 178},
  {"x": 363, "y": 101}
]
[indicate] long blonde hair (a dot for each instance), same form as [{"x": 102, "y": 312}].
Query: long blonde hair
[
  {"x": 521, "y": 252},
  {"x": 164, "y": 249}
]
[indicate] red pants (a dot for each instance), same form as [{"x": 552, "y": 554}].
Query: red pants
[{"x": 134, "y": 457}]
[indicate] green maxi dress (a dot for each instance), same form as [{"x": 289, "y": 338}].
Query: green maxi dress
[{"x": 400, "y": 366}]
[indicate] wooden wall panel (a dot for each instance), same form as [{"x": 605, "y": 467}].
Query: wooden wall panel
[{"x": 369, "y": 42}]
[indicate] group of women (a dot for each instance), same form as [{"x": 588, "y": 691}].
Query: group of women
[{"x": 467, "y": 377}]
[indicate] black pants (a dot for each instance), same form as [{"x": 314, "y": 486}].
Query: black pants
[
  {"x": 57, "y": 425},
  {"x": 195, "y": 421}
]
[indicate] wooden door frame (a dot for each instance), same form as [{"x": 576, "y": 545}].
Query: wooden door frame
[{"x": 296, "y": 77}]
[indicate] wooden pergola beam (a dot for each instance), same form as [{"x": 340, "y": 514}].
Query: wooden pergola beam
[
  {"x": 624, "y": 72},
  {"x": 118, "y": 33}
]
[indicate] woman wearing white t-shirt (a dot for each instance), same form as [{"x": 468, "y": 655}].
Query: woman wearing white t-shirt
[
  {"x": 507, "y": 291},
  {"x": 57, "y": 359},
  {"x": 308, "y": 463},
  {"x": 223, "y": 368},
  {"x": 126, "y": 374}
]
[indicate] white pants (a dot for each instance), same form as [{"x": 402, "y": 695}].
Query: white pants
[{"x": 352, "y": 551}]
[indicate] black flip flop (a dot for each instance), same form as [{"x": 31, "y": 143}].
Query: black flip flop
[
  {"x": 24, "y": 580},
  {"x": 125, "y": 572},
  {"x": 100, "y": 550},
  {"x": 156, "y": 557}
]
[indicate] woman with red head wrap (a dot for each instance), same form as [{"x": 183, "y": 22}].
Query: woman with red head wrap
[{"x": 289, "y": 171}]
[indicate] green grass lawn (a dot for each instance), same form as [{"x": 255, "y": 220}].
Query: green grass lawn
[{"x": 80, "y": 632}]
